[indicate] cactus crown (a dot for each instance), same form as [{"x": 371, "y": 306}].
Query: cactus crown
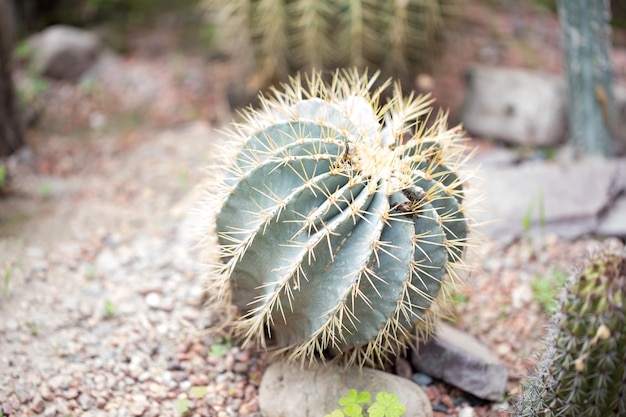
[
  {"x": 337, "y": 219},
  {"x": 582, "y": 370}
]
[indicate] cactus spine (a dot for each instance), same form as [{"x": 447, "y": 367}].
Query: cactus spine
[
  {"x": 582, "y": 371},
  {"x": 338, "y": 220},
  {"x": 397, "y": 37}
]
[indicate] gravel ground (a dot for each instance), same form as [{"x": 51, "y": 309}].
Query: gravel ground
[{"x": 102, "y": 305}]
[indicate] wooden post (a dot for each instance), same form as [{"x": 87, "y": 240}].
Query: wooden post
[{"x": 586, "y": 34}]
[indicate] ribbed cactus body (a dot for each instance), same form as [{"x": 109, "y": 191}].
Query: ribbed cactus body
[
  {"x": 282, "y": 36},
  {"x": 335, "y": 233},
  {"x": 582, "y": 371}
]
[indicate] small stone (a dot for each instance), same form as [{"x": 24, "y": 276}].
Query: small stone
[
  {"x": 421, "y": 379},
  {"x": 403, "y": 367},
  {"x": 45, "y": 393},
  {"x": 51, "y": 411},
  {"x": 201, "y": 379},
  {"x": 86, "y": 401},
  {"x": 249, "y": 407},
  {"x": 139, "y": 404},
  {"x": 38, "y": 404},
  {"x": 70, "y": 394},
  {"x": 432, "y": 393},
  {"x": 467, "y": 412},
  {"x": 153, "y": 300},
  {"x": 461, "y": 360}
]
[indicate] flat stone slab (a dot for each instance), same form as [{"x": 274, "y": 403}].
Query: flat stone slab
[
  {"x": 460, "y": 360},
  {"x": 291, "y": 391},
  {"x": 569, "y": 198},
  {"x": 518, "y": 106}
]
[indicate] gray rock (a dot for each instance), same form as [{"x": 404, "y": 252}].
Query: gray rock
[
  {"x": 518, "y": 106},
  {"x": 614, "y": 222},
  {"x": 619, "y": 96},
  {"x": 292, "y": 391},
  {"x": 574, "y": 195},
  {"x": 460, "y": 360},
  {"x": 64, "y": 52}
]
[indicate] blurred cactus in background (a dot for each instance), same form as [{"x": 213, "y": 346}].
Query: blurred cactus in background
[
  {"x": 582, "y": 371},
  {"x": 275, "y": 38},
  {"x": 338, "y": 219}
]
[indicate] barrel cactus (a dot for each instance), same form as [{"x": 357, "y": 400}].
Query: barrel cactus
[
  {"x": 282, "y": 36},
  {"x": 338, "y": 219},
  {"x": 582, "y": 370}
]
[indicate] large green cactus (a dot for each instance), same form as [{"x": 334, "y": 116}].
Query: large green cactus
[
  {"x": 583, "y": 369},
  {"x": 397, "y": 37},
  {"x": 339, "y": 219}
]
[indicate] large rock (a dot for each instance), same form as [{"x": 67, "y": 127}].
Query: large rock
[
  {"x": 292, "y": 391},
  {"x": 460, "y": 360},
  {"x": 566, "y": 198},
  {"x": 518, "y": 106},
  {"x": 64, "y": 52}
]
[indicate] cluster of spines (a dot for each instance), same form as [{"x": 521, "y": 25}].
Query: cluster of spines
[
  {"x": 286, "y": 36},
  {"x": 582, "y": 371},
  {"x": 423, "y": 155}
]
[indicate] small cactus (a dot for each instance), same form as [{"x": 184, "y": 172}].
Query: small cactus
[
  {"x": 582, "y": 370},
  {"x": 338, "y": 219},
  {"x": 397, "y": 37}
]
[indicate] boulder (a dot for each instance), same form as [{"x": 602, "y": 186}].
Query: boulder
[
  {"x": 64, "y": 52},
  {"x": 565, "y": 198},
  {"x": 521, "y": 107},
  {"x": 292, "y": 391},
  {"x": 462, "y": 361}
]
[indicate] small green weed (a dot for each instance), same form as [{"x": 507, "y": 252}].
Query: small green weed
[
  {"x": 386, "y": 405},
  {"x": 182, "y": 405},
  {"x": 221, "y": 347},
  {"x": 90, "y": 271},
  {"x": 3, "y": 176},
  {"x": 527, "y": 220},
  {"x": 33, "y": 327},
  {"x": 109, "y": 309},
  {"x": 7, "y": 280},
  {"x": 545, "y": 289},
  {"x": 198, "y": 391},
  {"x": 45, "y": 190}
]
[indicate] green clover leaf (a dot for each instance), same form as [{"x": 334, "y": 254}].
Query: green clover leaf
[
  {"x": 352, "y": 402},
  {"x": 386, "y": 405},
  {"x": 336, "y": 413}
]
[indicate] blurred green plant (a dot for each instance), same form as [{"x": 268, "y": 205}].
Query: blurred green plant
[
  {"x": 277, "y": 37},
  {"x": 109, "y": 309},
  {"x": 33, "y": 327},
  {"x": 7, "y": 280},
  {"x": 545, "y": 289},
  {"x": 3, "y": 176},
  {"x": 527, "y": 220},
  {"x": 221, "y": 347}
]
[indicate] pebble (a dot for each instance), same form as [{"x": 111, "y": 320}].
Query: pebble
[
  {"x": 70, "y": 394},
  {"x": 38, "y": 404},
  {"x": 422, "y": 379},
  {"x": 86, "y": 401},
  {"x": 153, "y": 300},
  {"x": 467, "y": 412}
]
